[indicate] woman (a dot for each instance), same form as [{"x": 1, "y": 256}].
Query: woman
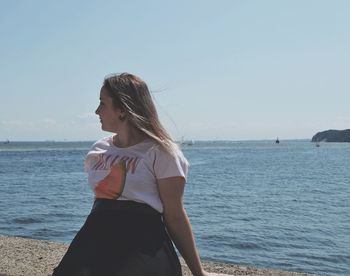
[{"x": 138, "y": 176}]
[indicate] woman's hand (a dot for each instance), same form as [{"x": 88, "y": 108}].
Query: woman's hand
[{"x": 204, "y": 273}]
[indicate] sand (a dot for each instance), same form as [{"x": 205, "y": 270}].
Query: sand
[{"x": 29, "y": 257}]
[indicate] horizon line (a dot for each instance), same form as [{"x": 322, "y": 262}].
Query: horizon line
[{"x": 195, "y": 140}]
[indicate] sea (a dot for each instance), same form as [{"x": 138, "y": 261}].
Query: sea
[{"x": 282, "y": 206}]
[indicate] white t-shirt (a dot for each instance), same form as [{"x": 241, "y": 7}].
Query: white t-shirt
[{"x": 131, "y": 173}]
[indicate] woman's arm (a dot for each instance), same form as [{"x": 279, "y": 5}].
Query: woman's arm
[{"x": 177, "y": 223}]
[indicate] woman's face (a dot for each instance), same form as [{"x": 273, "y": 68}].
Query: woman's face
[{"x": 109, "y": 115}]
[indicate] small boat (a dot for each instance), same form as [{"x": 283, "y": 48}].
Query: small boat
[
  {"x": 190, "y": 143},
  {"x": 7, "y": 142},
  {"x": 277, "y": 141},
  {"x": 317, "y": 144},
  {"x": 186, "y": 143}
]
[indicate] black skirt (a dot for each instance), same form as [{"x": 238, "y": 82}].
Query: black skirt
[{"x": 123, "y": 238}]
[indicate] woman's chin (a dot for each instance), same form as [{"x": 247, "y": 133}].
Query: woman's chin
[{"x": 106, "y": 129}]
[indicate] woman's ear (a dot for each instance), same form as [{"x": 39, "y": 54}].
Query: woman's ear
[{"x": 122, "y": 116}]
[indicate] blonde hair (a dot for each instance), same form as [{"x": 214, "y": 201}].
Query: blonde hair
[{"x": 131, "y": 94}]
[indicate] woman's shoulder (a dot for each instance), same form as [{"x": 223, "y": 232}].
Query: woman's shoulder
[
  {"x": 105, "y": 141},
  {"x": 171, "y": 151}
]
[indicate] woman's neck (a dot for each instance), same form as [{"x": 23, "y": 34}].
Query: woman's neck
[{"x": 125, "y": 139}]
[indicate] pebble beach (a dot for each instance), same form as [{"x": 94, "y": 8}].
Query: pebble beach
[{"x": 29, "y": 257}]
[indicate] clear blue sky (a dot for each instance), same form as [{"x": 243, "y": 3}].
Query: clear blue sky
[{"x": 230, "y": 69}]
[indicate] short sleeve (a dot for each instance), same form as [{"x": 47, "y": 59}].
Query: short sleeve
[
  {"x": 169, "y": 165},
  {"x": 92, "y": 158}
]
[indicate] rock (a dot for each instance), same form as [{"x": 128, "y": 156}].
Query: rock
[{"x": 332, "y": 135}]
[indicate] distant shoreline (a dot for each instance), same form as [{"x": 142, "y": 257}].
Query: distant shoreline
[
  {"x": 23, "y": 256},
  {"x": 199, "y": 140}
]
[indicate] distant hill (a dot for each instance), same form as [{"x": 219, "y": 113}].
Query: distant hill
[{"x": 332, "y": 135}]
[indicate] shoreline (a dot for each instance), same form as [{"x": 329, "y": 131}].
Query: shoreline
[{"x": 25, "y": 256}]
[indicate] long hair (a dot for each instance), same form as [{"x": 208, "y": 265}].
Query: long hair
[{"x": 131, "y": 95}]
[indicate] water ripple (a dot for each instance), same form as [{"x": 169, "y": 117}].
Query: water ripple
[{"x": 284, "y": 207}]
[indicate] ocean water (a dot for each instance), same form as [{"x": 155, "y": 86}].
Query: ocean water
[{"x": 284, "y": 206}]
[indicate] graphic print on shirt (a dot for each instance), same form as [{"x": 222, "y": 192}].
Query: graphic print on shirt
[
  {"x": 112, "y": 186},
  {"x": 105, "y": 161}
]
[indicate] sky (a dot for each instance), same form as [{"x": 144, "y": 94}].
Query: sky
[{"x": 218, "y": 70}]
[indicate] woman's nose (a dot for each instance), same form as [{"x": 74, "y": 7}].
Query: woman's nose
[{"x": 97, "y": 110}]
